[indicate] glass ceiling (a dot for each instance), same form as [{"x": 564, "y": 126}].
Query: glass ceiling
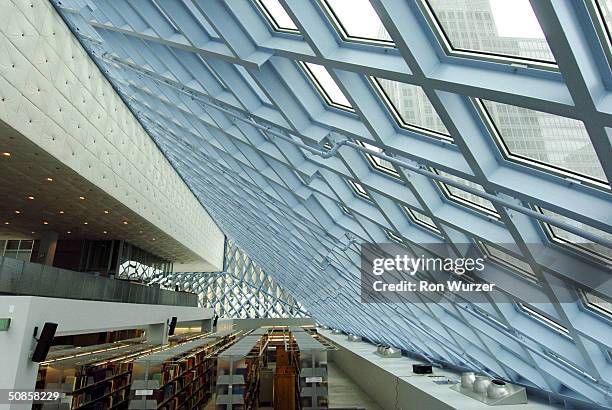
[
  {"x": 241, "y": 107},
  {"x": 492, "y": 27}
]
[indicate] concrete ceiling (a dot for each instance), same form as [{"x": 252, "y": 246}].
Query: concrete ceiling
[{"x": 28, "y": 171}]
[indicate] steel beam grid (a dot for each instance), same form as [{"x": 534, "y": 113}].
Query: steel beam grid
[
  {"x": 242, "y": 290},
  {"x": 296, "y": 216}
]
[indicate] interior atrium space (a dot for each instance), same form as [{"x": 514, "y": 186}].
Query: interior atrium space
[{"x": 306, "y": 204}]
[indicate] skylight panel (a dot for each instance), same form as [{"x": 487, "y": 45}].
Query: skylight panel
[
  {"x": 359, "y": 190},
  {"x": 357, "y": 20},
  {"x": 597, "y": 304},
  {"x": 394, "y": 236},
  {"x": 546, "y": 141},
  {"x": 509, "y": 261},
  {"x": 495, "y": 29},
  {"x": 379, "y": 163},
  {"x": 603, "y": 17},
  {"x": 327, "y": 86},
  {"x": 576, "y": 242},
  {"x": 277, "y": 16},
  {"x": 544, "y": 319},
  {"x": 411, "y": 108},
  {"x": 466, "y": 198},
  {"x": 421, "y": 219}
]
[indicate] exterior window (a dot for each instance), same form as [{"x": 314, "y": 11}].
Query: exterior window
[
  {"x": 327, "y": 86},
  {"x": 466, "y": 198},
  {"x": 277, "y": 16},
  {"x": 378, "y": 163},
  {"x": 356, "y": 20},
  {"x": 578, "y": 243},
  {"x": 421, "y": 219},
  {"x": 601, "y": 12},
  {"x": 489, "y": 30},
  {"x": 16, "y": 249},
  {"x": 345, "y": 210},
  {"x": 551, "y": 142},
  {"x": 506, "y": 260},
  {"x": 597, "y": 304},
  {"x": 411, "y": 108},
  {"x": 543, "y": 319},
  {"x": 359, "y": 190},
  {"x": 394, "y": 237}
]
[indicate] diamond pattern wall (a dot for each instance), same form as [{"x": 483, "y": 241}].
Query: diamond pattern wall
[{"x": 305, "y": 132}]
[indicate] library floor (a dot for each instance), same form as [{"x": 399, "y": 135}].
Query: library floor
[{"x": 344, "y": 393}]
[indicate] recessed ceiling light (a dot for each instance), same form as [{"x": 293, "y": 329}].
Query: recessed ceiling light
[
  {"x": 45, "y": 223},
  {"x": 106, "y": 211},
  {"x": 139, "y": 231},
  {"x": 68, "y": 232},
  {"x": 125, "y": 222},
  {"x": 6, "y": 154},
  {"x": 17, "y": 211},
  {"x": 85, "y": 223},
  {"x": 153, "y": 238},
  {"x": 33, "y": 232},
  {"x": 105, "y": 232},
  {"x": 49, "y": 179},
  {"x": 61, "y": 212},
  {"x": 30, "y": 197},
  {"x": 7, "y": 223},
  {"x": 82, "y": 198}
]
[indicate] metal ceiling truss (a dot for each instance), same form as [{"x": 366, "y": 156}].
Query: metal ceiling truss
[
  {"x": 242, "y": 290},
  {"x": 224, "y": 96}
]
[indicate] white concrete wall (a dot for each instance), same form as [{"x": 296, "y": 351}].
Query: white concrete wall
[{"x": 52, "y": 93}]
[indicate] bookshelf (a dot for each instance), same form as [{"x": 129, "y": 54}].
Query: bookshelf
[
  {"x": 96, "y": 377},
  {"x": 312, "y": 359},
  {"x": 238, "y": 370},
  {"x": 180, "y": 377}
]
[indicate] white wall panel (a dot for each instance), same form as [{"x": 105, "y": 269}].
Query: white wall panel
[{"x": 52, "y": 93}]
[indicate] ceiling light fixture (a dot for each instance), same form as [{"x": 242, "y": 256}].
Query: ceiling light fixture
[
  {"x": 45, "y": 223},
  {"x": 17, "y": 211},
  {"x": 6, "y": 154},
  {"x": 105, "y": 232},
  {"x": 7, "y": 223},
  {"x": 82, "y": 198},
  {"x": 49, "y": 179},
  {"x": 61, "y": 212},
  {"x": 106, "y": 211},
  {"x": 85, "y": 223},
  {"x": 68, "y": 232},
  {"x": 31, "y": 198},
  {"x": 125, "y": 222}
]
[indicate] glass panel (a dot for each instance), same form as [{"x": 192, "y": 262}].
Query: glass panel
[
  {"x": 466, "y": 198},
  {"x": 604, "y": 7},
  {"x": 545, "y": 140},
  {"x": 277, "y": 15},
  {"x": 2, "y": 246},
  {"x": 394, "y": 237},
  {"x": 25, "y": 245},
  {"x": 328, "y": 87},
  {"x": 359, "y": 190},
  {"x": 12, "y": 245},
  {"x": 421, "y": 219},
  {"x": 357, "y": 20},
  {"x": 543, "y": 319},
  {"x": 505, "y": 259},
  {"x": 579, "y": 243},
  {"x": 490, "y": 28},
  {"x": 411, "y": 107},
  {"x": 378, "y": 163},
  {"x": 598, "y": 304}
]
